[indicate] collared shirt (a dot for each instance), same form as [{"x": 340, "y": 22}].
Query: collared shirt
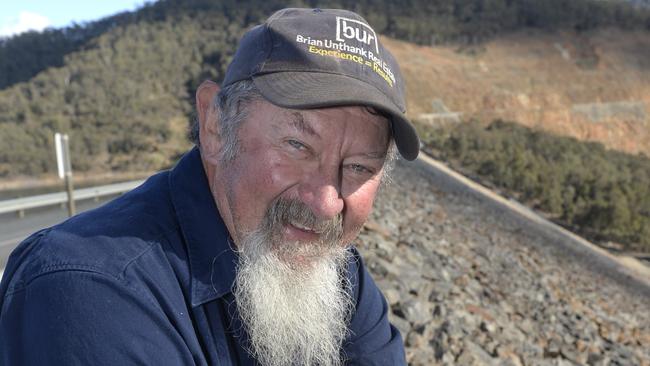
[{"x": 146, "y": 279}]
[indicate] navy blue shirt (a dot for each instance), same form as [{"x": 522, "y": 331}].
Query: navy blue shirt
[{"x": 146, "y": 279}]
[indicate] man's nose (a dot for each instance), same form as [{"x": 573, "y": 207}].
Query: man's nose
[{"x": 321, "y": 192}]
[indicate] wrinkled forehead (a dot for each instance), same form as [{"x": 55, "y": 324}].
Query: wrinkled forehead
[{"x": 365, "y": 118}]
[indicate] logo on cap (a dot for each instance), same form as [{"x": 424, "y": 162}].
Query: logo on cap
[{"x": 347, "y": 28}]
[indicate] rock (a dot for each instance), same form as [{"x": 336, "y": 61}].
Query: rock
[
  {"x": 474, "y": 355},
  {"x": 439, "y": 342},
  {"x": 439, "y": 311},
  {"x": 571, "y": 354},
  {"x": 378, "y": 228},
  {"x": 401, "y": 324},
  {"x": 416, "y": 312},
  {"x": 594, "y": 358},
  {"x": 553, "y": 349},
  {"x": 421, "y": 356},
  {"x": 568, "y": 338},
  {"x": 489, "y": 327},
  {"x": 507, "y": 353},
  {"x": 415, "y": 339},
  {"x": 440, "y": 291},
  {"x": 392, "y": 296},
  {"x": 526, "y": 326},
  {"x": 376, "y": 267},
  {"x": 563, "y": 362}
]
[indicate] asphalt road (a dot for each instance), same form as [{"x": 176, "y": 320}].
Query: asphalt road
[{"x": 14, "y": 229}]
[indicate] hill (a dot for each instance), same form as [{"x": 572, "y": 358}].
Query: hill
[
  {"x": 593, "y": 85},
  {"x": 420, "y": 21},
  {"x": 122, "y": 87}
]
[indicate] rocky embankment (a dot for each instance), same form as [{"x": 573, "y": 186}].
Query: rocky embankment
[{"x": 468, "y": 284}]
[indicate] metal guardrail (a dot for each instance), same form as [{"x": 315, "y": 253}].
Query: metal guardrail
[{"x": 25, "y": 203}]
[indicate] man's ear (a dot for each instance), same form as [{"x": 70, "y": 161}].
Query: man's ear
[{"x": 208, "y": 115}]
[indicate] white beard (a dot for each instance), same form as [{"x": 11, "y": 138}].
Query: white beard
[{"x": 294, "y": 315}]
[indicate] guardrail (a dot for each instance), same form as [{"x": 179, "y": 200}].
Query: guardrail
[{"x": 21, "y": 204}]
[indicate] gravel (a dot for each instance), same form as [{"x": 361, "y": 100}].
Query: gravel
[{"x": 469, "y": 284}]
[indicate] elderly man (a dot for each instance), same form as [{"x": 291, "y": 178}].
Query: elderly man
[{"x": 239, "y": 255}]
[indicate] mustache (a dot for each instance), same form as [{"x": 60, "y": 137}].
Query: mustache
[{"x": 286, "y": 211}]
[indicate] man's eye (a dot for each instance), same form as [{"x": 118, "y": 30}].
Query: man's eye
[
  {"x": 296, "y": 144},
  {"x": 361, "y": 169}
]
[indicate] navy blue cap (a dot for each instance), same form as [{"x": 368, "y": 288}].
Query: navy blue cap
[{"x": 315, "y": 58}]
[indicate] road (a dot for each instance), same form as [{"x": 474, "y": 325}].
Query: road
[{"x": 14, "y": 229}]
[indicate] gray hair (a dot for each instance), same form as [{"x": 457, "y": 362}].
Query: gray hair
[{"x": 232, "y": 102}]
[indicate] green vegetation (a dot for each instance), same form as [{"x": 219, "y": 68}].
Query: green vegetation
[
  {"x": 420, "y": 21},
  {"x": 125, "y": 100},
  {"x": 122, "y": 87},
  {"x": 23, "y": 56},
  {"x": 603, "y": 194}
]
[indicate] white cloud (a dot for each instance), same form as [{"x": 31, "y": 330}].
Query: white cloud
[{"x": 24, "y": 22}]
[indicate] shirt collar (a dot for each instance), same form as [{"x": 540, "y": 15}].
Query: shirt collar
[{"x": 212, "y": 260}]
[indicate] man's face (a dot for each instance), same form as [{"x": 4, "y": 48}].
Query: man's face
[
  {"x": 298, "y": 189},
  {"x": 330, "y": 160}
]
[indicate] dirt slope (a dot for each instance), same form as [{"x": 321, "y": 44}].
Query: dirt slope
[{"x": 593, "y": 86}]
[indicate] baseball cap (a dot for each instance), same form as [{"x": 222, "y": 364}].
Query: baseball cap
[{"x": 315, "y": 58}]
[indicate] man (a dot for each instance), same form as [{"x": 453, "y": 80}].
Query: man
[{"x": 240, "y": 254}]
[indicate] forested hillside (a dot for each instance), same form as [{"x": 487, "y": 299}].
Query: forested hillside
[
  {"x": 420, "y": 21},
  {"x": 122, "y": 87},
  {"x": 124, "y": 100}
]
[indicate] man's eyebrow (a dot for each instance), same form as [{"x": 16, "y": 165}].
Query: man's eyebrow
[
  {"x": 375, "y": 155},
  {"x": 299, "y": 122}
]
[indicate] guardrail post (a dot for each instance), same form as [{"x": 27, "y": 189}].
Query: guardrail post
[
  {"x": 68, "y": 177},
  {"x": 68, "y": 186},
  {"x": 62, "y": 145}
]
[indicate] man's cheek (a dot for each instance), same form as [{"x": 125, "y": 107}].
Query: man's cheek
[{"x": 358, "y": 211}]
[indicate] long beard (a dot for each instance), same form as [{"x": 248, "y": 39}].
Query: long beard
[{"x": 295, "y": 314}]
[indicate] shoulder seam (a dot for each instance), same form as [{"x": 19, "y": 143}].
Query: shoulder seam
[
  {"x": 55, "y": 269},
  {"x": 89, "y": 270},
  {"x": 86, "y": 268}
]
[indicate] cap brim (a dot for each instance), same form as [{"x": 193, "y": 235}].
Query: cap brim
[{"x": 305, "y": 90}]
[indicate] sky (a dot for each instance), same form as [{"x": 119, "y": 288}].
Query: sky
[{"x": 18, "y": 16}]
